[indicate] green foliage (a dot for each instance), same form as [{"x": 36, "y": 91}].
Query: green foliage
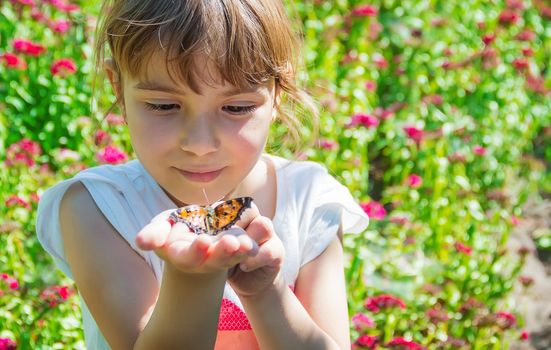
[{"x": 431, "y": 113}]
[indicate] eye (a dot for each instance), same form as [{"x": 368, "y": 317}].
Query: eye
[
  {"x": 163, "y": 107},
  {"x": 239, "y": 109}
]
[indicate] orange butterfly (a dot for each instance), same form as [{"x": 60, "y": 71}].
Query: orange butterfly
[{"x": 211, "y": 219}]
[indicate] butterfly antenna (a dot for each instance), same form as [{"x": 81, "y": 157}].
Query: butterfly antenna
[{"x": 206, "y": 197}]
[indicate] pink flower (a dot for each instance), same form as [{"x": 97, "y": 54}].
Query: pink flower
[
  {"x": 12, "y": 283},
  {"x": 399, "y": 220},
  {"x": 63, "y": 6},
  {"x": 7, "y": 344},
  {"x": 437, "y": 315},
  {"x": 102, "y": 138},
  {"x": 414, "y": 133},
  {"x": 462, "y": 248},
  {"x": 374, "y": 210},
  {"x": 515, "y": 220},
  {"x": 27, "y": 47},
  {"x": 327, "y": 144},
  {"x": 515, "y": 4},
  {"x": 60, "y": 25},
  {"x": 479, "y": 150},
  {"x": 111, "y": 155},
  {"x": 13, "y": 61},
  {"x": 404, "y": 344},
  {"x": 381, "y": 62},
  {"x": 53, "y": 295},
  {"x": 524, "y": 335},
  {"x": 114, "y": 119},
  {"x": 526, "y": 280},
  {"x": 63, "y": 67},
  {"x": 364, "y": 11},
  {"x": 363, "y": 119},
  {"x": 505, "y": 319},
  {"x": 383, "y": 301},
  {"x": 370, "y": 85},
  {"x": 366, "y": 341},
  {"x": 415, "y": 181},
  {"x": 526, "y": 35},
  {"x": 16, "y": 201},
  {"x": 362, "y": 321}
]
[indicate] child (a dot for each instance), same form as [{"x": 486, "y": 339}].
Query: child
[{"x": 199, "y": 84}]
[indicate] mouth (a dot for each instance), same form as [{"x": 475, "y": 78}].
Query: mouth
[{"x": 201, "y": 175}]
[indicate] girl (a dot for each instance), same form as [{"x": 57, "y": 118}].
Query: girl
[{"x": 199, "y": 84}]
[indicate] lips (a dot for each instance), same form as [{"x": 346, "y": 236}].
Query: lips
[{"x": 201, "y": 175}]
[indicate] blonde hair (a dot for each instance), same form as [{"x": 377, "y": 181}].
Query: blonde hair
[{"x": 249, "y": 41}]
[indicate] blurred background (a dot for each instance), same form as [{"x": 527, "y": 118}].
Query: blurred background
[{"x": 436, "y": 114}]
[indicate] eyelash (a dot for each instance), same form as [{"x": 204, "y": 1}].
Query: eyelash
[{"x": 171, "y": 106}]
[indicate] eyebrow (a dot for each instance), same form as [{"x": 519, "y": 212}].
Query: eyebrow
[{"x": 154, "y": 86}]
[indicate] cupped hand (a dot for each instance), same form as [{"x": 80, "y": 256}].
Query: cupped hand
[
  {"x": 192, "y": 253},
  {"x": 254, "y": 274}
]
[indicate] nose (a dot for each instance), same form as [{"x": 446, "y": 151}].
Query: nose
[{"x": 199, "y": 136}]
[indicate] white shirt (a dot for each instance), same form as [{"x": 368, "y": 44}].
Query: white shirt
[{"x": 310, "y": 206}]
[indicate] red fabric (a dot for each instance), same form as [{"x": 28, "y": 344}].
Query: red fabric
[{"x": 232, "y": 318}]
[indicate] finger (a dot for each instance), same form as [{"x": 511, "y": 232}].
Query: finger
[
  {"x": 270, "y": 254},
  {"x": 180, "y": 231},
  {"x": 246, "y": 244},
  {"x": 163, "y": 216},
  {"x": 153, "y": 235},
  {"x": 225, "y": 252},
  {"x": 189, "y": 254},
  {"x": 260, "y": 229}
]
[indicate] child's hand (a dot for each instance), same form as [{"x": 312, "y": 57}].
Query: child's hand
[
  {"x": 254, "y": 274},
  {"x": 192, "y": 253}
]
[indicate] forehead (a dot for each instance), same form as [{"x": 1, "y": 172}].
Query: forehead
[{"x": 158, "y": 75}]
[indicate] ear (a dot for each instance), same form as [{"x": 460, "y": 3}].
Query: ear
[{"x": 113, "y": 74}]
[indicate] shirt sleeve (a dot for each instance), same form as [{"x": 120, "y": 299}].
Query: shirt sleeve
[
  {"x": 330, "y": 206},
  {"x": 108, "y": 198}
]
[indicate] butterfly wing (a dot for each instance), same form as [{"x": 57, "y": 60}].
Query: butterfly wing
[
  {"x": 227, "y": 213},
  {"x": 194, "y": 216}
]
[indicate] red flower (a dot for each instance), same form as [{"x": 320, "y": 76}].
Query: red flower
[
  {"x": 528, "y": 52},
  {"x": 54, "y": 295},
  {"x": 381, "y": 62},
  {"x": 362, "y": 321},
  {"x": 111, "y": 155},
  {"x": 515, "y": 4},
  {"x": 27, "y": 47},
  {"x": 11, "y": 282},
  {"x": 383, "y": 301},
  {"x": 462, "y": 248},
  {"x": 7, "y": 344},
  {"x": 415, "y": 181},
  {"x": 363, "y": 119},
  {"x": 374, "y": 210},
  {"x": 524, "y": 335},
  {"x": 15, "y": 201},
  {"x": 13, "y": 61},
  {"x": 488, "y": 38},
  {"x": 526, "y": 280},
  {"x": 402, "y": 343},
  {"x": 63, "y": 67},
  {"x": 505, "y": 319},
  {"x": 508, "y": 16},
  {"x": 414, "y": 133},
  {"x": 366, "y": 341},
  {"x": 364, "y": 11}
]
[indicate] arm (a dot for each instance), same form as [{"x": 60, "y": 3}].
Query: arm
[
  {"x": 123, "y": 294},
  {"x": 315, "y": 317}
]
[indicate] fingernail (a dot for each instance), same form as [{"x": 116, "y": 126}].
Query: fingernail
[{"x": 244, "y": 267}]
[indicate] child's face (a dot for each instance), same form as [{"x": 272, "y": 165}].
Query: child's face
[{"x": 188, "y": 141}]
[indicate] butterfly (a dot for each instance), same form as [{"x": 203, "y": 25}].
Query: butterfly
[{"x": 211, "y": 219}]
